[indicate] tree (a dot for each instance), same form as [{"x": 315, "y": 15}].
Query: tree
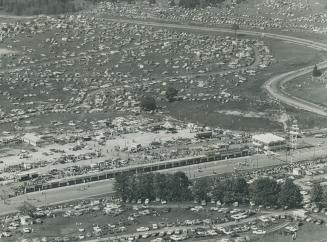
[
  {"x": 264, "y": 191},
  {"x": 218, "y": 190},
  {"x": 145, "y": 186},
  {"x": 324, "y": 196},
  {"x": 172, "y": 3},
  {"x": 160, "y": 186},
  {"x": 317, "y": 193},
  {"x": 290, "y": 195},
  {"x": 27, "y": 209},
  {"x": 133, "y": 188},
  {"x": 171, "y": 93},
  {"x": 150, "y": 186},
  {"x": 122, "y": 185},
  {"x": 189, "y": 3},
  {"x": 201, "y": 188},
  {"x": 235, "y": 190},
  {"x": 178, "y": 185},
  {"x": 235, "y": 28},
  {"x": 316, "y": 72},
  {"x": 148, "y": 103},
  {"x": 231, "y": 190}
]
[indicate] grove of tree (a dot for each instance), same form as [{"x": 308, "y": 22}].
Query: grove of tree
[{"x": 177, "y": 187}]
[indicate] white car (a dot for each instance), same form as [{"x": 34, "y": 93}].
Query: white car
[
  {"x": 212, "y": 233},
  {"x": 6, "y": 234},
  {"x": 146, "y": 235},
  {"x": 81, "y": 236},
  {"x": 155, "y": 226},
  {"x": 157, "y": 240},
  {"x": 142, "y": 229},
  {"x": 97, "y": 229},
  {"x": 259, "y": 231},
  {"x": 27, "y": 230}
]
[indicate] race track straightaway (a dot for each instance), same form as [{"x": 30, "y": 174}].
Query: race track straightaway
[{"x": 274, "y": 85}]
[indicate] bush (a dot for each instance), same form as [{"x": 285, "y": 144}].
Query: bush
[
  {"x": 171, "y": 93},
  {"x": 148, "y": 103},
  {"x": 316, "y": 72}
]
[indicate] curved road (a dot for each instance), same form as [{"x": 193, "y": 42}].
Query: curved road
[{"x": 274, "y": 85}]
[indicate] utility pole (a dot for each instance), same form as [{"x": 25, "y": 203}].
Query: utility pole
[{"x": 294, "y": 132}]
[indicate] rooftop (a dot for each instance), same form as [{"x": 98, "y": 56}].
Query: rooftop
[{"x": 268, "y": 138}]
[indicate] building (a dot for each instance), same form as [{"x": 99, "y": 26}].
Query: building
[
  {"x": 33, "y": 139},
  {"x": 268, "y": 142}
]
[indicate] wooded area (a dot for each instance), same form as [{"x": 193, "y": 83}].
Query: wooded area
[{"x": 177, "y": 187}]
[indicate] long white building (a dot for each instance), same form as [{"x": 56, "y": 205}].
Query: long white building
[{"x": 268, "y": 142}]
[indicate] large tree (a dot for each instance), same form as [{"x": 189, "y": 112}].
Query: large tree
[
  {"x": 145, "y": 186},
  {"x": 290, "y": 195},
  {"x": 171, "y": 93},
  {"x": 218, "y": 190},
  {"x": 160, "y": 186},
  {"x": 172, "y": 3},
  {"x": 231, "y": 190},
  {"x": 264, "y": 191},
  {"x": 172, "y": 187},
  {"x": 189, "y": 3},
  {"x": 201, "y": 189},
  {"x": 179, "y": 187},
  {"x": 27, "y": 209},
  {"x": 316, "y": 72},
  {"x": 317, "y": 193},
  {"x": 235, "y": 190},
  {"x": 148, "y": 103},
  {"x": 122, "y": 185}
]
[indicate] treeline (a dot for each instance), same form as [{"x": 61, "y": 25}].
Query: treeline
[
  {"x": 319, "y": 195},
  {"x": 150, "y": 186},
  {"x": 177, "y": 187},
  {"x": 34, "y": 7}
]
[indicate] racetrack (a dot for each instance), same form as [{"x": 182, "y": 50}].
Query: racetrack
[{"x": 274, "y": 85}]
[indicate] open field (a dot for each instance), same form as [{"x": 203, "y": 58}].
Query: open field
[
  {"x": 312, "y": 89},
  {"x": 287, "y": 57}
]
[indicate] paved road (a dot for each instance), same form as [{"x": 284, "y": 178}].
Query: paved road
[
  {"x": 274, "y": 85},
  {"x": 60, "y": 195}
]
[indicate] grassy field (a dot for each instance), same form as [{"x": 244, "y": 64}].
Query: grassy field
[
  {"x": 311, "y": 89},
  {"x": 288, "y": 57}
]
